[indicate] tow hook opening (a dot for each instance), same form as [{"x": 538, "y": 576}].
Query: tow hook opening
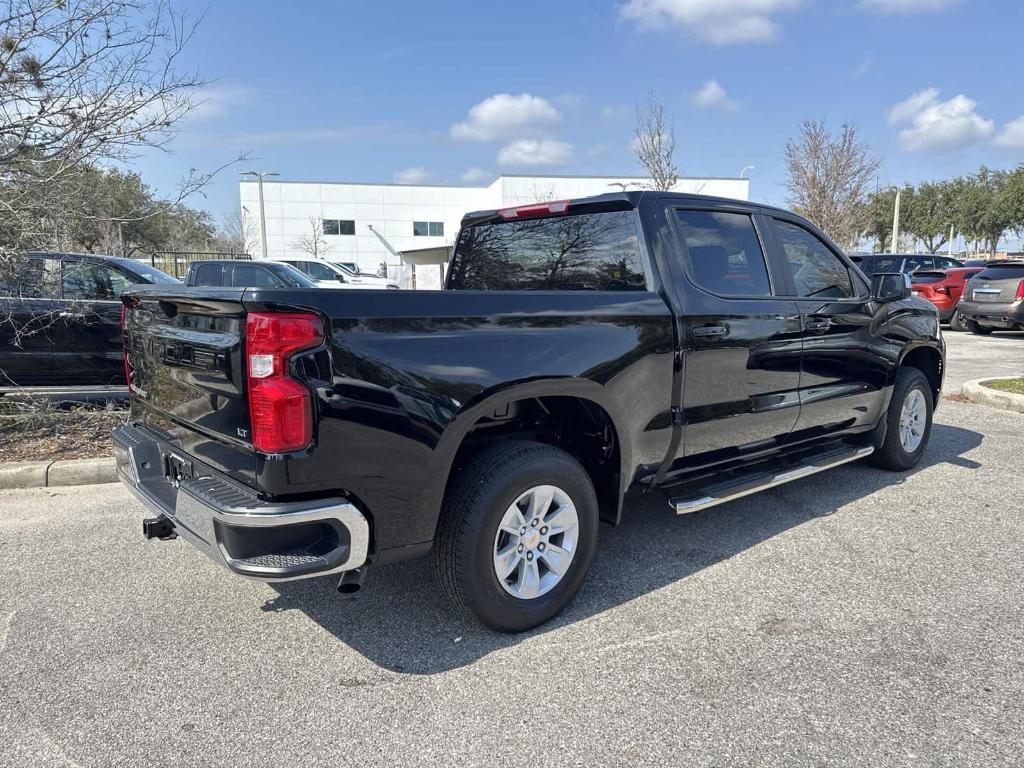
[
  {"x": 351, "y": 581},
  {"x": 158, "y": 528}
]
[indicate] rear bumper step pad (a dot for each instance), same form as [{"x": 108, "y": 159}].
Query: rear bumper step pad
[{"x": 259, "y": 539}]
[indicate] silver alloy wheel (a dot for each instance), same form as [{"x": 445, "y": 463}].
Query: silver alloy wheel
[
  {"x": 536, "y": 542},
  {"x": 913, "y": 419}
]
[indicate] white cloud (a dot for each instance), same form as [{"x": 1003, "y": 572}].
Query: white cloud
[
  {"x": 474, "y": 175},
  {"x": 906, "y": 6},
  {"x": 614, "y": 111},
  {"x": 504, "y": 116},
  {"x": 535, "y": 152},
  {"x": 215, "y": 101},
  {"x": 939, "y": 126},
  {"x": 718, "y": 21},
  {"x": 713, "y": 96},
  {"x": 415, "y": 175},
  {"x": 1012, "y": 134}
]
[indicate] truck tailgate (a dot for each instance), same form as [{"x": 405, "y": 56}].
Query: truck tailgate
[{"x": 186, "y": 371}]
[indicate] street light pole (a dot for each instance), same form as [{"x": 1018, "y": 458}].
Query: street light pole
[
  {"x": 263, "y": 213},
  {"x": 745, "y": 169},
  {"x": 896, "y": 223}
]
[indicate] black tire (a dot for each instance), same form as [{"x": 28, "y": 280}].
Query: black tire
[
  {"x": 479, "y": 497},
  {"x": 973, "y": 327},
  {"x": 956, "y": 322},
  {"x": 889, "y": 451}
]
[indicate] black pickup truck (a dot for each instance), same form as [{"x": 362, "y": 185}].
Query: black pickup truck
[{"x": 711, "y": 347}]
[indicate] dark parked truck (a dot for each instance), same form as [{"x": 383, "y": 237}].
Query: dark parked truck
[{"x": 710, "y": 347}]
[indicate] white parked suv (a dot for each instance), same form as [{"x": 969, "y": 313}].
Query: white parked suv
[{"x": 331, "y": 275}]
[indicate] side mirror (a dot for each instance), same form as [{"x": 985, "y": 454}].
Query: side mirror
[
  {"x": 890, "y": 287},
  {"x": 341, "y": 278}
]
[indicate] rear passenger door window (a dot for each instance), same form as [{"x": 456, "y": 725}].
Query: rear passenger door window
[
  {"x": 817, "y": 271},
  {"x": 208, "y": 274},
  {"x": 86, "y": 281},
  {"x": 724, "y": 253}
]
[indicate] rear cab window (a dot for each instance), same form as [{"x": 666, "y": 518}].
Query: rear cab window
[
  {"x": 576, "y": 252},
  {"x": 923, "y": 277},
  {"x": 252, "y": 276},
  {"x": 1000, "y": 272},
  {"x": 880, "y": 266}
]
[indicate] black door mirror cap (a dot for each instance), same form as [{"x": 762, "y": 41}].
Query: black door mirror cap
[{"x": 890, "y": 286}]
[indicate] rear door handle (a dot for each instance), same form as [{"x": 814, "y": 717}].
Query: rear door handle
[
  {"x": 817, "y": 324},
  {"x": 710, "y": 331}
]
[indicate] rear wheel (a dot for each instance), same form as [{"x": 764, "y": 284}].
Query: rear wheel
[
  {"x": 517, "y": 535},
  {"x": 956, "y": 322},
  {"x": 908, "y": 422}
]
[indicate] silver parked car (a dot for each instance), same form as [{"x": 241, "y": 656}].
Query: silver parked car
[
  {"x": 328, "y": 275},
  {"x": 994, "y": 299}
]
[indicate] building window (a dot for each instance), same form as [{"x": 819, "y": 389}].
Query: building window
[
  {"x": 428, "y": 228},
  {"x": 339, "y": 227}
]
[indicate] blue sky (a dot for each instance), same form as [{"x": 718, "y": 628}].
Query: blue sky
[{"x": 385, "y": 91}]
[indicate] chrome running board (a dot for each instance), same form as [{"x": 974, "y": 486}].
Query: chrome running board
[{"x": 712, "y": 495}]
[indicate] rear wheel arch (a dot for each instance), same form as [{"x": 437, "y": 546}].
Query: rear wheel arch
[{"x": 575, "y": 415}]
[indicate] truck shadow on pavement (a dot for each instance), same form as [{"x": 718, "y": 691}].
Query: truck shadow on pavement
[{"x": 402, "y": 622}]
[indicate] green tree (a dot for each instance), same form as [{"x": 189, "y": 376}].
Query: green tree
[
  {"x": 988, "y": 203},
  {"x": 929, "y": 212},
  {"x": 876, "y": 217}
]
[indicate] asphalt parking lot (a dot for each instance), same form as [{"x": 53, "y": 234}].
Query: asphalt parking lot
[
  {"x": 857, "y": 617},
  {"x": 969, "y": 356}
]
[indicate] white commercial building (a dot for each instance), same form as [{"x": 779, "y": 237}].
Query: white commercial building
[{"x": 342, "y": 217}]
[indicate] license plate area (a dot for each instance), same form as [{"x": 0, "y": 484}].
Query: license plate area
[
  {"x": 987, "y": 295},
  {"x": 177, "y": 468}
]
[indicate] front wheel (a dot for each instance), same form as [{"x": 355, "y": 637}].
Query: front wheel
[
  {"x": 517, "y": 535},
  {"x": 908, "y": 422}
]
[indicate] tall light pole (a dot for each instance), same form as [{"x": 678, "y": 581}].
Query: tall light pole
[
  {"x": 745, "y": 169},
  {"x": 263, "y": 213},
  {"x": 896, "y": 222}
]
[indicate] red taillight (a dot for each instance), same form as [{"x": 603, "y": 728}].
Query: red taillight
[
  {"x": 124, "y": 341},
  {"x": 532, "y": 211},
  {"x": 1020, "y": 291},
  {"x": 280, "y": 408}
]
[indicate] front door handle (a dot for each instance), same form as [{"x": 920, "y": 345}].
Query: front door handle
[
  {"x": 817, "y": 324},
  {"x": 70, "y": 315},
  {"x": 710, "y": 331}
]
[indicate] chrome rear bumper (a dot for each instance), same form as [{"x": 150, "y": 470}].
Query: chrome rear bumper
[{"x": 254, "y": 538}]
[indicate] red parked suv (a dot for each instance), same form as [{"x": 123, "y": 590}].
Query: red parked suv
[{"x": 943, "y": 288}]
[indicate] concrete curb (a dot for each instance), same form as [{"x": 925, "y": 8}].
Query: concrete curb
[
  {"x": 45, "y": 474},
  {"x": 1008, "y": 401}
]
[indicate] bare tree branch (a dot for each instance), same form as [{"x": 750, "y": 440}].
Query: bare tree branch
[
  {"x": 314, "y": 243},
  {"x": 829, "y": 177},
  {"x": 655, "y": 144}
]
